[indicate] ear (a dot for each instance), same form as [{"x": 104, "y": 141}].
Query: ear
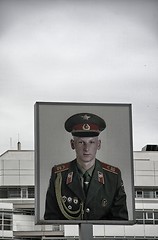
[
  {"x": 99, "y": 144},
  {"x": 72, "y": 144}
]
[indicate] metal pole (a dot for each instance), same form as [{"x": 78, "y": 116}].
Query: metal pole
[{"x": 85, "y": 231}]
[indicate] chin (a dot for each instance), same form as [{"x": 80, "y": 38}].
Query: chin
[{"x": 87, "y": 159}]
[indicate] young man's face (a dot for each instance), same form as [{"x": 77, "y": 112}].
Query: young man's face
[{"x": 86, "y": 148}]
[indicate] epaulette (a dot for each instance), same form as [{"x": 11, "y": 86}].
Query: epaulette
[
  {"x": 110, "y": 168},
  {"x": 61, "y": 167}
]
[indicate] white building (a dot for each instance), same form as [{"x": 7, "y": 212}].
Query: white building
[{"x": 17, "y": 201}]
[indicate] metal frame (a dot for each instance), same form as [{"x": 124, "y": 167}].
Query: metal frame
[{"x": 37, "y": 164}]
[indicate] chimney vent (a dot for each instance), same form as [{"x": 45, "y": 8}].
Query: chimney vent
[{"x": 19, "y": 146}]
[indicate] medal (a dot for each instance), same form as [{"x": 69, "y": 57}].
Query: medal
[{"x": 75, "y": 200}]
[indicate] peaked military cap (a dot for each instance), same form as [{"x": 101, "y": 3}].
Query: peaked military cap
[{"x": 85, "y": 125}]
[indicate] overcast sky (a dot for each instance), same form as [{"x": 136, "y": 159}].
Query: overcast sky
[{"x": 77, "y": 51}]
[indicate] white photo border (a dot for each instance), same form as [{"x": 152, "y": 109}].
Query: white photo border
[{"x": 50, "y": 135}]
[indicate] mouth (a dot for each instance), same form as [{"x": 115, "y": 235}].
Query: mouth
[{"x": 86, "y": 154}]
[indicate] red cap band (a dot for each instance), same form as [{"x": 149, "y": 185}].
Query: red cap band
[{"x": 85, "y": 127}]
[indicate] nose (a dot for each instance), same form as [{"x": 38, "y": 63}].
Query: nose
[{"x": 86, "y": 147}]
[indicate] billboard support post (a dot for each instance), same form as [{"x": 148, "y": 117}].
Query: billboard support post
[{"x": 85, "y": 231}]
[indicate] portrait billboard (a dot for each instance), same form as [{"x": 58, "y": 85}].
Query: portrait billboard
[{"x": 72, "y": 139}]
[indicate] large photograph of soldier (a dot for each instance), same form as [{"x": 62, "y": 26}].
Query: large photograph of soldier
[{"x": 88, "y": 187}]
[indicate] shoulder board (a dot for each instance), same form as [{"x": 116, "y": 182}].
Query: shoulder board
[
  {"x": 61, "y": 167},
  {"x": 110, "y": 168}
]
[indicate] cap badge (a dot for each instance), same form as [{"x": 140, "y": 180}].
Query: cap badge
[
  {"x": 85, "y": 117},
  {"x": 86, "y": 127}
]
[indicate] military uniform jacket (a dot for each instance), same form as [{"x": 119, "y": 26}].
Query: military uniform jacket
[{"x": 65, "y": 198}]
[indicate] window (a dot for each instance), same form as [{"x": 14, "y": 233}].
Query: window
[
  {"x": 156, "y": 217},
  {"x": 147, "y": 216},
  {"x": 26, "y": 211},
  {"x": 139, "y": 217},
  {"x": 5, "y": 221},
  {"x": 24, "y": 193},
  {"x": 17, "y": 192},
  {"x": 0, "y": 221},
  {"x": 156, "y": 194},
  {"x": 14, "y": 193},
  {"x": 31, "y": 192},
  {"x": 3, "y": 193},
  {"x": 139, "y": 194},
  {"x": 146, "y": 193}
]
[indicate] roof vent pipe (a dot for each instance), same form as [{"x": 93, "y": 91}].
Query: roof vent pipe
[{"x": 19, "y": 146}]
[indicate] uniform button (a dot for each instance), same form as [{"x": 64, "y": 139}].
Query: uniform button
[{"x": 87, "y": 210}]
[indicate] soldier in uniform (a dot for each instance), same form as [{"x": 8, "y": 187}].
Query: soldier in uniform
[{"x": 85, "y": 188}]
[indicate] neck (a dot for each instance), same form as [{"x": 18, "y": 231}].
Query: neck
[{"x": 86, "y": 165}]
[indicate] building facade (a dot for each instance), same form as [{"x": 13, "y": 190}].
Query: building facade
[{"x": 17, "y": 219}]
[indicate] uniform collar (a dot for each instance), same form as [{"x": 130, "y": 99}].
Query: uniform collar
[{"x": 82, "y": 170}]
